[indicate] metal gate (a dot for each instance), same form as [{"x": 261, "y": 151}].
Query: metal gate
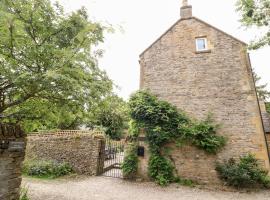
[{"x": 111, "y": 158}]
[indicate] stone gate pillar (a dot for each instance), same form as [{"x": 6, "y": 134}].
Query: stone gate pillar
[
  {"x": 12, "y": 150},
  {"x": 143, "y": 160}
]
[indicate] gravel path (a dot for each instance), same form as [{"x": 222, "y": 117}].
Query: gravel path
[{"x": 102, "y": 188}]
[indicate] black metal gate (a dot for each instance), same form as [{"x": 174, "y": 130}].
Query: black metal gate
[{"x": 111, "y": 158}]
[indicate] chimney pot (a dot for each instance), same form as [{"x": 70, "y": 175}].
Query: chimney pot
[{"x": 186, "y": 10}]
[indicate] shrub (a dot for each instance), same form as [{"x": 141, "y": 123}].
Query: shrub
[
  {"x": 246, "y": 173},
  {"x": 46, "y": 169}
]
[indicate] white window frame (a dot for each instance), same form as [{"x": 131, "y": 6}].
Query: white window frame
[{"x": 205, "y": 42}]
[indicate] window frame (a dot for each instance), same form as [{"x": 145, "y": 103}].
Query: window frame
[{"x": 205, "y": 42}]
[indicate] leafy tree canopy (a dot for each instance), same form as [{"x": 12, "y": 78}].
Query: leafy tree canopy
[
  {"x": 256, "y": 13},
  {"x": 111, "y": 114},
  {"x": 262, "y": 91},
  {"x": 48, "y": 67}
]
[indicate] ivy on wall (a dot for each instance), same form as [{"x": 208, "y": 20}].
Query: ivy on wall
[
  {"x": 164, "y": 123},
  {"x": 130, "y": 164}
]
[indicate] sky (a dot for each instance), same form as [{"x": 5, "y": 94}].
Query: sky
[{"x": 138, "y": 23}]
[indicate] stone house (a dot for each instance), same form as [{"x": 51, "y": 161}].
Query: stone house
[{"x": 203, "y": 70}]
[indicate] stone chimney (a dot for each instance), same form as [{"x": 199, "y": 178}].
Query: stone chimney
[{"x": 186, "y": 10}]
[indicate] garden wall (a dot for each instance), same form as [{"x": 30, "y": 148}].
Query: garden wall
[
  {"x": 12, "y": 149},
  {"x": 78, "y": 148}
]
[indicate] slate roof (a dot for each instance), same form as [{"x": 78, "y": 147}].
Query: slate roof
[{"x": 266, "y": 122}]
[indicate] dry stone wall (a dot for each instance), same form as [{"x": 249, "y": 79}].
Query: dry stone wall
[
  {"x": 217, "y": 81},
  {"x": 12, "y": 149},
  {"x": 79, "y": 149}
]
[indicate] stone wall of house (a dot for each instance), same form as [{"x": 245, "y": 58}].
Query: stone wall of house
[
  {"x": 78, "y": 148},
  {"x": 195, "y": 164},
  {"x": 12, "y": 148},
  {"x": 217, "y": 81}
]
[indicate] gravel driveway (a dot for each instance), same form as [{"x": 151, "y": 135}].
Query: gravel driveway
[{"x": 102, "y": 188}]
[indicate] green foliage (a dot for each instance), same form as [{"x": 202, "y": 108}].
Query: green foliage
[
  {"x": 147, "y": 109},
  {"x": 203, "y": 135},
  {"x": 46, "y": 169},
  {"x": 256, "y": 13},
  {"x": 130, "y": 164},
  {"x": 268, "y": 107},
  {"x": 24, "y": 194},
  {"x": 50, "y": 116},
  {"x": 160, "y": 169},
  {"x": 243, "y": 174},
  {"x": 262, "y": 91},
  {"x": 49, "y": 76},
  {"x": 112, "y": 115},
  {"x": 134, "y": 130},
  {"x": 185, "y": 182},
  {"x": 163, "y": 123}
]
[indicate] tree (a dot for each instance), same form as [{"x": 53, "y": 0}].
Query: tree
[
  {"x": 111, "y": 114},
  {"x": 59, "y": 117},
  {"x": 262, "y": 92},
  {"x": 48, "y": 67},
  {"x": 256, "y": 13}
]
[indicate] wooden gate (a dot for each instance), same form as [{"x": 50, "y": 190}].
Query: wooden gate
[{"x": 111, "y": 158}]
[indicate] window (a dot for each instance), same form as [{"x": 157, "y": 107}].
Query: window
[{"x": 201, "y": 44}]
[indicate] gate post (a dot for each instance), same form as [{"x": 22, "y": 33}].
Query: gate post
[
  {"x": 101, "y": 156},
  {"x": 12, "y": 151}
]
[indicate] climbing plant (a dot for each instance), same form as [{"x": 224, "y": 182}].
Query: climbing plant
[
  {"x": 130, "y": 163},
  {"x": 164, "y": 123}
]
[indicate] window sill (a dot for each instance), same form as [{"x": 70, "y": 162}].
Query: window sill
[{"x": 203, "y": 51}]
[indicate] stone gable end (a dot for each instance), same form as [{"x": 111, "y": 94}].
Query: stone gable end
[{"x": 217, "y": 81}]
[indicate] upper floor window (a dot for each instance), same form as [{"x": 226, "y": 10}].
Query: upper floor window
[{"x": 201, "y": 44}]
